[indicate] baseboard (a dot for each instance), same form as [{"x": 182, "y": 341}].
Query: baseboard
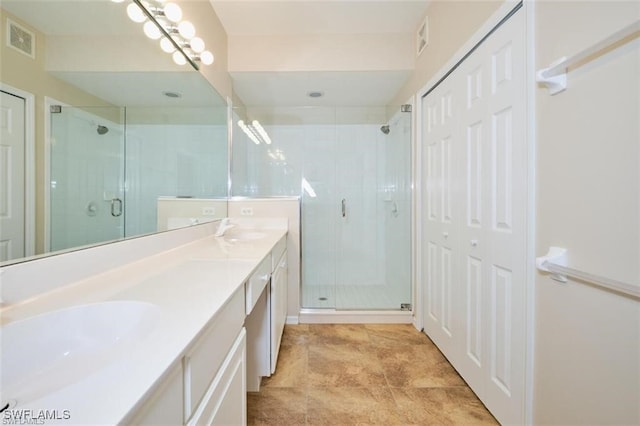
[
  {"x": 293, "y": 319},
  {"x": 330, "y": 316}
]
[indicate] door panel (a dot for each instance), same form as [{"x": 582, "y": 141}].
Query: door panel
[
  {"x": 442, "y": 212},
  {"x": 12, "y": 179},
  {"x": 483, "y": 174}
]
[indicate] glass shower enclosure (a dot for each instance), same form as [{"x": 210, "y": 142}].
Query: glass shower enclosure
[
  {"x": 110, "y": 166},
  {"x": 86, "y": 180},
  {"x": 352, "y": 169}
]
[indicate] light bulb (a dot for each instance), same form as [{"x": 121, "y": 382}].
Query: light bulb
[
  {"x": 179, "y": 58},
  {"x": 166, "y": 45},
  {"x": 135, "y": 13},
  {"x": 151, "y": 30},
  {"x": 197, "y": 44},
  {"x": 173, "y": 12},
  {"x": 186, "y": 30},
  {"x": 206, "y": 57},
  {"x": 117, "y": 1}
]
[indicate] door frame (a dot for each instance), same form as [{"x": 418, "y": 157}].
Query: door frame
[
  {"x": 528, "y": 8},
  {"x": 29, "y": 166},
  {"x": 48, "y": 102}
]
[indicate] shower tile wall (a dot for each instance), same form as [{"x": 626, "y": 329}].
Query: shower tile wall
[{"x": 171, "y": 160}]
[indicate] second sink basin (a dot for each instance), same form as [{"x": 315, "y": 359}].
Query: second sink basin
[{"x": 50, "y": 351}]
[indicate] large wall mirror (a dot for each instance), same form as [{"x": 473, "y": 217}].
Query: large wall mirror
[{"x": 121, "y": 142}]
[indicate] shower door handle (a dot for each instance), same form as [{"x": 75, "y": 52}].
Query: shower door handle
[
  {"x": 344, "y": 207},
  {"x": 116, "y": 212}
]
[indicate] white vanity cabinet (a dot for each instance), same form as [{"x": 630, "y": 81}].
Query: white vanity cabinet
[
  {"x": 211, "y": 364},
  {"x": 164, "y": 406},
  {"x": 267, "y": 315},
  {"x": 207, "y": 386},
  {"x": 225, "y": 402}
]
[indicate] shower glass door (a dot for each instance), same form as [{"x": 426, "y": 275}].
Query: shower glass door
[
  {"x": 86, "y": 180},
  {"x": 352, "y": 168},
  {"x": 356, "y": 222}
]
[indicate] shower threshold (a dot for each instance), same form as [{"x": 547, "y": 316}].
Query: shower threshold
[{"x": 335, "y": 316}]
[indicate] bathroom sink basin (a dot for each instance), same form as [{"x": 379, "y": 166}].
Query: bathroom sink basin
[
  {"x": 50, "y": 351},
  {"x": 245, "y": 236}
]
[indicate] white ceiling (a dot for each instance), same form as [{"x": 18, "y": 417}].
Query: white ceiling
[
  {"x": 373, "y": 88},
  {"x": 308, "y": 17}
]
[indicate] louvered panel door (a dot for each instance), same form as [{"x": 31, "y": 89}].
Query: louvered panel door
[
  {"x": 488, "y": 344},
  {"x": 441, "y": 209}
]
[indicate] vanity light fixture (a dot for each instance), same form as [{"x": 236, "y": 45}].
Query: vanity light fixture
[
  {"x": 163, "y": 21},
  {"x": 255, "y": 132}
]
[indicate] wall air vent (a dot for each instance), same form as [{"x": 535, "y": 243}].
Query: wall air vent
[
  {"x": 422, "y": 36},
  {"x": 21, "y": 39}
]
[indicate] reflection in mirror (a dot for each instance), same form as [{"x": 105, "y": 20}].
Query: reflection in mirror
[{"x": 121, "y": 141}]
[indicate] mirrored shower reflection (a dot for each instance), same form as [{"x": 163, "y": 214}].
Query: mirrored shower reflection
[
  {"x": 106, "y": 177},
  {"x": 86, "y": 176},
  {"x": 354, "y": 180}
]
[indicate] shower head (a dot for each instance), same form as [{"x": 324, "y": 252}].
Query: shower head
[
  {"x": 102, "y": 129},
  {"x": 385, "y": 129}
]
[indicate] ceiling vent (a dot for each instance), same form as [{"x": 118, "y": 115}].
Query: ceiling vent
[
  {"x": 21, "y": 39},
  {"x": 422, "y": 36}
]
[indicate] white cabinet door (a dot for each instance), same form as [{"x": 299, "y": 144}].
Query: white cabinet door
[
  {"x": 164, "y": 406},
  {"x": 225, "y": 402},
  {"x": 278, "y": 307},
  {"x": 474, "y": 216}
]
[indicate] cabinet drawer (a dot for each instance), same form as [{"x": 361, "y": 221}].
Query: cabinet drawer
[
  {"x": 203, "y": 361},
  {"x": 257, "y": 282},
  {"x": 277, "y": 251}
]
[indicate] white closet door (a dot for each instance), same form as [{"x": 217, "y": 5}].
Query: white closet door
[
  {"x": 12, "y": 169},
  {"x": 441, "y": 213},
  {"x": 487, "y": 344},
  {"x": 494, "y": 231}
]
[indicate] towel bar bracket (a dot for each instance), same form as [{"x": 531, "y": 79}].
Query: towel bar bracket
[
  {"x": 556, "y": 256},
  {"x": 554, "y": 83}
]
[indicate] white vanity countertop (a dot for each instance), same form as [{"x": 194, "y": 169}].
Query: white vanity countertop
[{"x": 188, "y": 284}]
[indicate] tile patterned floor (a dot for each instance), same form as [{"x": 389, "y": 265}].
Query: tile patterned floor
[{"x": 363, "y": 374}]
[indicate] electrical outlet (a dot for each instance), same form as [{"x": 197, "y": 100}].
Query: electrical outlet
[
  {"x": 208, "y": 211},
  {"x": 246, "y": 211}
]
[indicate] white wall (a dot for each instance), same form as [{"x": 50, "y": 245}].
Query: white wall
[
  {"x": 587, "y": 340},
  {"x": 333, "y": 52}
]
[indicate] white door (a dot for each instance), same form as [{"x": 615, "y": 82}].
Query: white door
[
  {"x": 12, "y": 180},
  {"x": 440, "y": 215},
  {"x": 487, "y": 343},
  {"x": 493, "y": 238}
]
